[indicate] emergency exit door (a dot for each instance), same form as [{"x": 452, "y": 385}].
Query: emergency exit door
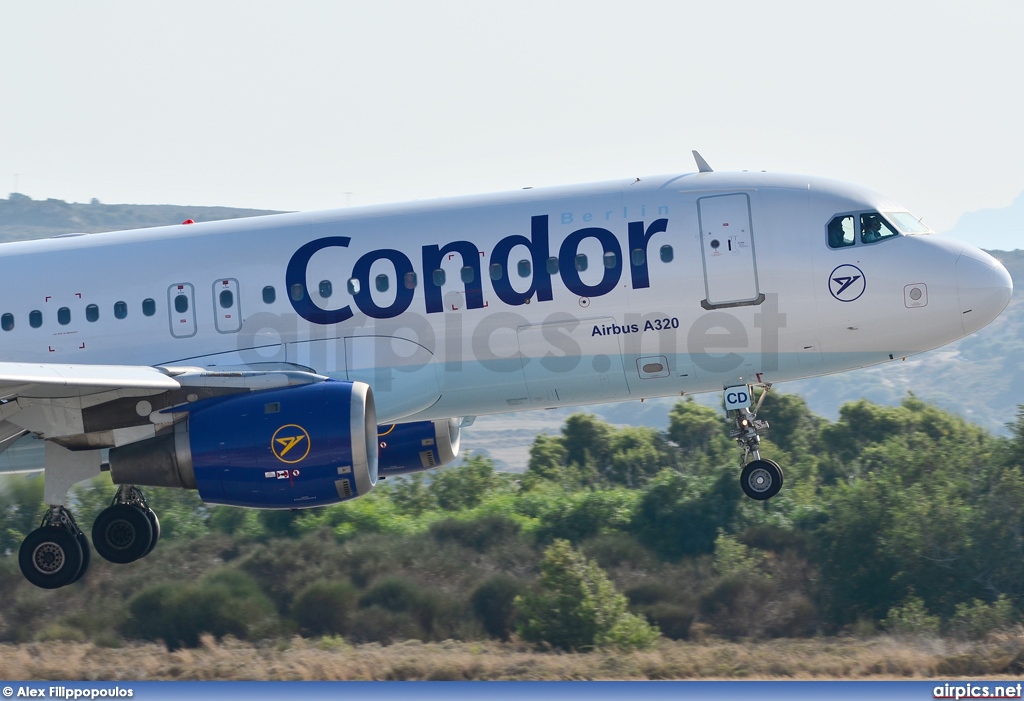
[{"x": 727, "y": 250}]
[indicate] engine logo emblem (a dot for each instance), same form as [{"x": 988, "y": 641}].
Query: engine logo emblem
[{"x": 290, "y": 444}]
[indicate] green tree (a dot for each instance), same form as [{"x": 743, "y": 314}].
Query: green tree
[
  {"x": 587, "y": 440},
  {"x": 700, "y": 432},
  {"x": 577, "y": 606},
  {"x": 682, "y": 514},
  {"x": 411, "y": 493},
  {"x": 547, "y": 462},
  {"x": 464, "y": 486}
]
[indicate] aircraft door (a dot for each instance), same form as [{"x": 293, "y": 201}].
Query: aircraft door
[
  {"x": 727, "y": 250},
  {"x": 226, "y": 312},
  {"x": 181, "y": 302}
]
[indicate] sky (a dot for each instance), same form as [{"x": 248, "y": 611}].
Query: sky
[{"x": 314, "y": 105}]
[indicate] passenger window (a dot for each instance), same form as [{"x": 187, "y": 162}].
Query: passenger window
[
  {"x": 227, "y": 299},
  {"x": 581, "y": 262},
  {"x": 35, "y": 318},
  {"x": 297, "y": 291},
  {"x": 353, "y": 286},
  {"x": 326, "y": 288},
  {"x": 181, "y": 304},
  {"x": 120, "y": 310},
  {"x": 382, "y": 283},
  {"x": 269, "y": 295},
  {"x": 438, "y": 278},
  {"x": 410, "y": 281},
  {"x": 148, "y": 307},
  {"x": 7, "y": 322},
  {"x": 552, "y": 266},
  {"x": 841, "y": 232},
  {"x": 467, "y": 274},
  {"x": 92, "y": 313},
  {"x": 637, "y": 256},
  {"x": 496, "y": 271},
  {"x": 874, "y": 228},
  {"x": 63, "y": 316},
  {"x": 523, "y": 268},
  {"x": 610, "y": 260},
  {"x": 666, "y": 254}
]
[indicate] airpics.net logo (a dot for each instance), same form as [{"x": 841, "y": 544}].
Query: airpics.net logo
[{"x": 846, "y": 283}]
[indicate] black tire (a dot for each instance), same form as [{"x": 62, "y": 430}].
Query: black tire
[
  {"x": 122, "y": 533},
  {"x": 154, "y": 522},
  {"x": 761, "y": 479},
  {"x": 83, "y": 542},
  {"x": 50, "y": 557}
]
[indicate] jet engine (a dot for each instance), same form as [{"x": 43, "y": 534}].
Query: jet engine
[
  {"x": 288, "y": 448},
  {"x": 418, "y": 446}
]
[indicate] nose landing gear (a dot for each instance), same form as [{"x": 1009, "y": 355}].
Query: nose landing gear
[{"x": 760, "y": 479}]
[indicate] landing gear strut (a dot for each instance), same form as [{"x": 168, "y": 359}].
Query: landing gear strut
[
  {"x": 127, "y": 529},
  {"x": 55, "y": 554},
  {"x": 760, "y": 479}
]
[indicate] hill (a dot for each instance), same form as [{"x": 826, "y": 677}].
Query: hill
[{"x": 21, "y": 217}]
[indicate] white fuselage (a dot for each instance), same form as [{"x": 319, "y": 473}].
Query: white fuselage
[{"x": 691, "y": 283}]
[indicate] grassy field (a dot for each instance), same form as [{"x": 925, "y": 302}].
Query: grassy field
[{"x": 331, "y": 659}]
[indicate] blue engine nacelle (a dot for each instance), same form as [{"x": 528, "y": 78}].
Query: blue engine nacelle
[
  {"x": 288, "y": 448},
  {"x": 414, "y": 447}
]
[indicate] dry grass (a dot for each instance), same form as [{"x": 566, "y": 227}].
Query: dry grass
[{"x": 332, "y": 659}]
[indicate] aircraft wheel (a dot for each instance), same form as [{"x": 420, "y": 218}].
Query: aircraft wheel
[
  {"x": 761, "y": 479},
  {"x": 154, "y": 523},
  {"x": 83, "y": 542},
  {"x": 50, "y": 557},
  {"x": 122, "y": 533}
]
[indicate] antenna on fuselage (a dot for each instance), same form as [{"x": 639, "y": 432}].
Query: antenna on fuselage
[{"x": 702, "y": 165}]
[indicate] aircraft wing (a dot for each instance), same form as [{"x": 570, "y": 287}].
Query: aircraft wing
[
  {"x": 53, "y": 379},
  {"x": 85, "y": 407}
]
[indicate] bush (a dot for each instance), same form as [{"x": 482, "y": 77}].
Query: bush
[
  {"x": 673, "y": 620},
  {"x": 402, "y": 596},
  {"x": 977, "y": 619},
  {"x": 227, "y": 602},
  {"x": 493, "y": 603},
  {"x": 577, "y": 606},
  {"x": 324, "y": 608},
  {"x": 911, "y": 618},
  {"x": 480, "y": 534}
]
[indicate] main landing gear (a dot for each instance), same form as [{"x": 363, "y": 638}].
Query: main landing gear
[
  {"x": 127, "y": 529},
  {"x": 761, "y": 479},
  {"x": 57, "y": 553}
]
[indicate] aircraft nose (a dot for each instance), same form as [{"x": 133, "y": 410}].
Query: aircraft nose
[{"x": 984, "y": 287}]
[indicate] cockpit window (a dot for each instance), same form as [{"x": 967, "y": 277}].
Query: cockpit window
[
  {"x": 874, "y": 228},
  {"x": 841, "y": 232},
  {"x": 907, "y": 223}
]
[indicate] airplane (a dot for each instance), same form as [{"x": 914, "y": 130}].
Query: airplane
[{"x": 293, "y": 360}]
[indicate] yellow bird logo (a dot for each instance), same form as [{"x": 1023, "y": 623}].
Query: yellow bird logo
[{"x": 290, "y": 444}]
